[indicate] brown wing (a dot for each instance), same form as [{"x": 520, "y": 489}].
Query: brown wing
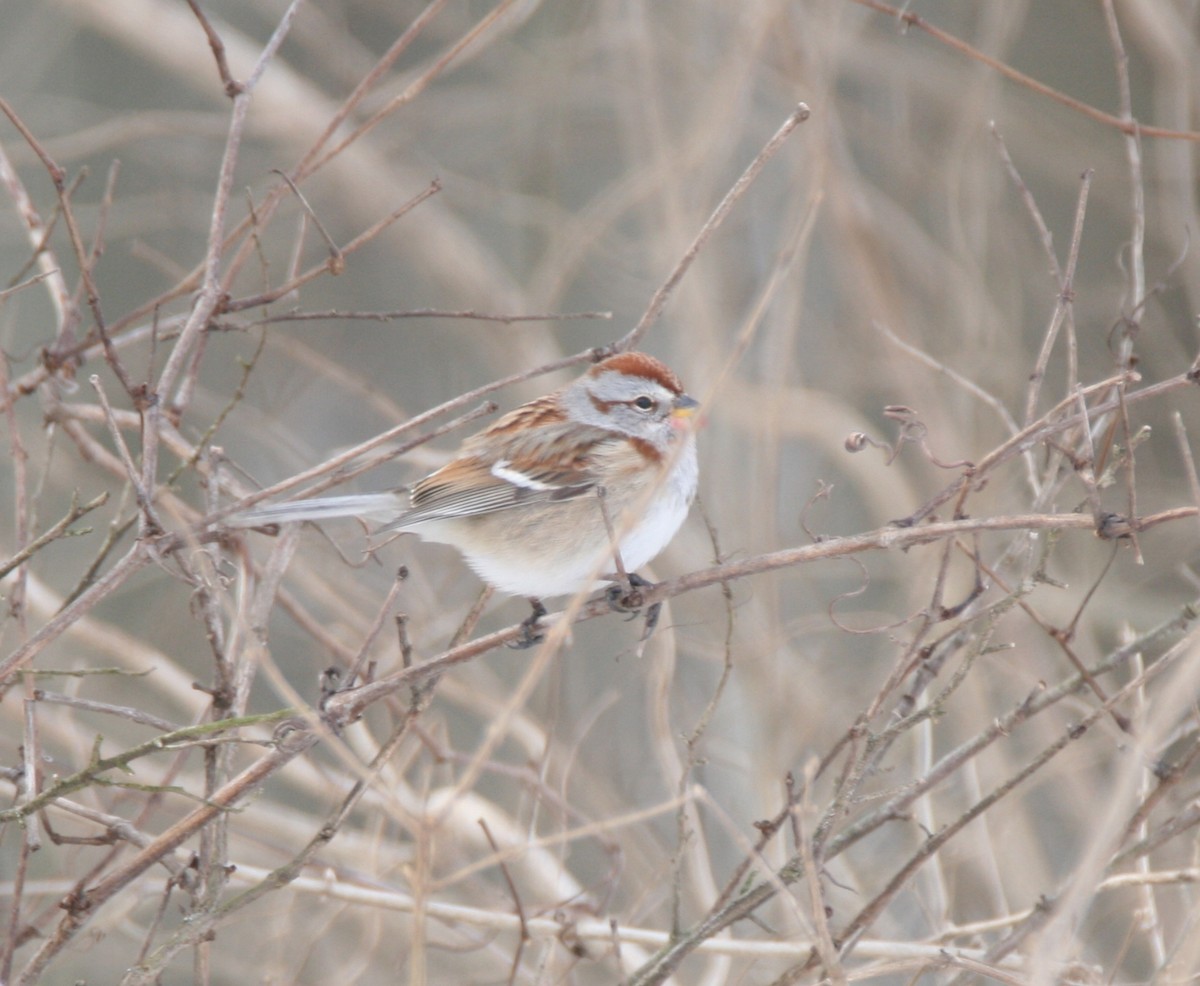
[{"x": 531, "y": 455}]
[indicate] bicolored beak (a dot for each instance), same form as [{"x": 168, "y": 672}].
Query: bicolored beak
[{"x": 683, "y": 407}]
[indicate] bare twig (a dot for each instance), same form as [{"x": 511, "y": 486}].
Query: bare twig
[
  {"x": 516, "y": 899},
  {"x": 1003, "y": 68},
  {"x": 334, "y": 315},
  {"x": 84, "y": 905},
  {"x": 736, "y": 191},
  {"x": 232, "y": 86},
  {"x": 1062, "y": 310}
]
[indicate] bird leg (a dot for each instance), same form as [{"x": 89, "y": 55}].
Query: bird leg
[
  {"x": 531, "y": 634},
  {"x": 624, "y": 595}
]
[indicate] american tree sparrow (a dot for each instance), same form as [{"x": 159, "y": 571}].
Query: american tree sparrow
[{"x": 533, "y": 501}]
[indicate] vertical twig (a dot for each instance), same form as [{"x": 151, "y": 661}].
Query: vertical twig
[
  {"x": 516, "y": 899},
  {"x": 210, "y": 289},
  {"x": 1063, "y": 310},
  {"x": 1133, "y": 153}
]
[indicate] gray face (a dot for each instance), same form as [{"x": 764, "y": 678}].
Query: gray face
[{"x": 636, "y": 406}]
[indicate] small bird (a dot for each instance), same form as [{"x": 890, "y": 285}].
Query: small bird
[{"x": 534, "y": 501}]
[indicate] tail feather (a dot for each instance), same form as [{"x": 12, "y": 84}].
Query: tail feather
[{"x": 380, "y": 507}]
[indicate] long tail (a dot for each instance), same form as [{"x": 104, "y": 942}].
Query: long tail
[{"x": 381, "y": 507}]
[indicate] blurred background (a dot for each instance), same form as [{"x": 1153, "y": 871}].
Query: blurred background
[{"x": 579, "y": 149}]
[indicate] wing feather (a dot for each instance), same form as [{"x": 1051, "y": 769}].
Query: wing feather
[{"x": 480, "y": 481}]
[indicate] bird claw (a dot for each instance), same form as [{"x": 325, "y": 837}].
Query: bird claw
[
  {"x": 628, "y": 598},
  {"x": 652, "y": 615},
  {"x": 531, "y": 634}
]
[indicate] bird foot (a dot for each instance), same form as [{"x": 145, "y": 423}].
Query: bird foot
[
  {"x": 626, "y": 597},
  {"x": 630, "y": 599},
  {"x": 531, "y": 634}
]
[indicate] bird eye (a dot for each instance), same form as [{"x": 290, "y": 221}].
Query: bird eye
[{"x": 643, "y": 403}]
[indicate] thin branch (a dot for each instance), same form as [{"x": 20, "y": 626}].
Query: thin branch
[
  {"x": 84, "y": 904},
  {"x": 337, "y": 259},
  {"x": 136, "y": 558},
  {"x": 335, "y": 315},
  {"x": 52, "y": 533},
  {"x": 349, "y": 705},
  {"x": 910, "y": 19},
  {"x": 210, "y": 288},
  {"x": 413, "y": 89},
  {"x": 631, "y": 339},
  {"x": 232, "y": 86},
  {"x": 1062, "y": 309}
]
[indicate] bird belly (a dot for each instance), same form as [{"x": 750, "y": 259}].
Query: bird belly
[{"x": 543, "y": 552}]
